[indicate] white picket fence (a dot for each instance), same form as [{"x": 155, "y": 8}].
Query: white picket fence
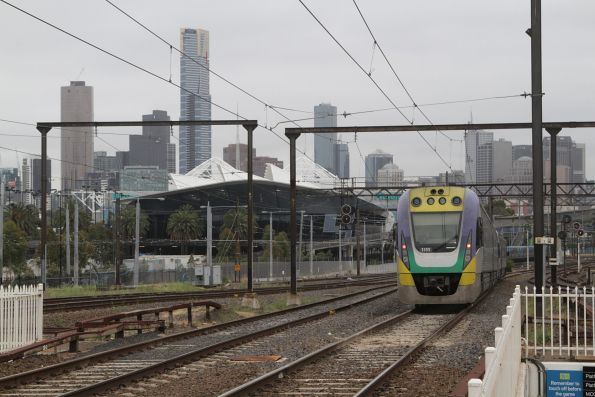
[
  {"x": 564, "y": 324},
  {"x": 502, "y": 362},
  {"x": 21, "y": 316}
]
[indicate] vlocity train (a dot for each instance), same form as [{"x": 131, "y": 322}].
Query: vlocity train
[{"x": 448, "y": 250}]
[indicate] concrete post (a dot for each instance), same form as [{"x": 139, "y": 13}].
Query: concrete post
[
  {"x": 210, "y": 241},
  {"x": 76, "y": 243},
  {"x": 67, "y": 250},
  {"x": 136, "y": 244}
]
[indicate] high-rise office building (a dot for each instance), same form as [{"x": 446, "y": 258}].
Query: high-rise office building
[
  {"x": 570, "y": 159},
  {"x": 374, "y": 162},
  {"x": 26, "y": 196},
  {"x": 325, "y": 115},
  {"x": 195, "y": 98},
  {"x": 390, "y": 175},
  {"x": 519, "y": 151},
  {"x": 342, "y": 160},
  {"x": 36, "y": 175},
  {"x": 473, "y": 140},
  {"x": 258, "y": 162},
  {"x": 151, "y": 148},
  {"x": 76, "y": 143},
  {"x": 494, "y": 162}
]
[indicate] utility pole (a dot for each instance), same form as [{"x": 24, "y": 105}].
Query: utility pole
[
  {"x": 271, "y": 246},
  {"x": 136, "y": 244},
  {"x": 76, "y": 242},
  {"x": 340, "y": 252},
  {"x": 357, "y": 238},
  {"x": 117, "y": 238},
  {"x": 537, "y": 141},
  {"x": 67, "y": 220},
  {"x": 553, "y": 201},
  {"x": 210, "y": 241},
  {"x": 2, "y": 229},
  {"x": 311, "y": 245}
]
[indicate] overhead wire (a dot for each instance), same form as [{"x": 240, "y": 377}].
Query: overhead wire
[
  {"x": 140, "y": 68},
  {"x": 373, "y": 81}
]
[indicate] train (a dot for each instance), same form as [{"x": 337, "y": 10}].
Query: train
[{"x": 448, "y": 249}]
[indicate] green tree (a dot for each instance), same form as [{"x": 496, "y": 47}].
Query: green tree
[
  {"x": 15, "y": 247},
  {"x": 185, "y": 224},
  {"x": 281, "y": 247},
  {"x": 236, "y": 220},
  {"x": 128, "y": 222},
  {"x": 499, "y": 207},
  {"x": 25, "y": 217}
]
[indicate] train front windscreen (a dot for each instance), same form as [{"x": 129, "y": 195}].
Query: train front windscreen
[{"x": 436, "y": 231}]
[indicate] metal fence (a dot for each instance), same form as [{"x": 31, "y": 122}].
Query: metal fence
[
  {"x": 502, "y": 362},
  {"x": 559, "y": 321},
  {"x": 21, "y": 316}
]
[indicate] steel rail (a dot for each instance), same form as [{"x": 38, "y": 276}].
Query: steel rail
[
  {"x": 37, "y": 374},
  {"x": 317, "y": 355},
  {"x": 77, "y": 303}
]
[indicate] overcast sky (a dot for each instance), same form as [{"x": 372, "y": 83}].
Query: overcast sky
[{"x": 442, "y": 51}]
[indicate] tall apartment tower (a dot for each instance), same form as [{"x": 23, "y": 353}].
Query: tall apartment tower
[
  {"x": 153, "y": 147},
  {"x": 342, "y": 160},
  {"x": 77, "y": 143},
  {"x": 473, "y": 140},
  {"x": 374, "y": 162},
  {"x": 26, "y": 196},
  {"x": 325, "y": 115},
  {"x": 195, "y": 98}
]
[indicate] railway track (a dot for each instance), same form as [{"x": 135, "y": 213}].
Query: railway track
[
  {"x": 357, "y": 365},
  {"x": 92, "y": 302},
  {"x": 103, "y": 371}
]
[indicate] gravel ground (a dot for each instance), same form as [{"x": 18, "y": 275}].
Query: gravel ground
[
  {"x": 447, "y": 360},
  {"x": 214, "y": 375},
  {"x": 231, "y": 311}
]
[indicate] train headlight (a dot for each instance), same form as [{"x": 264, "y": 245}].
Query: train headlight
[
  {"x": 404, "y": 256},
  {"x": 456, "y": 200},
  {"x": 431, "y": 201},
  {"x": 442, "y": 200},
  {"x": 468, "y": 250},
  {"x": 416, "y": 202}
]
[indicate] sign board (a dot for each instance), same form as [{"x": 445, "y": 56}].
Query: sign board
[
  {"x": 236, "y": 267},
  {"x": 588, "y": 381},
  {"x": 553, "y": 261},
  {"x": 330, "y": 223},
  {"x": 564, "y": 383},
  {"x": 544, "y": 240}
]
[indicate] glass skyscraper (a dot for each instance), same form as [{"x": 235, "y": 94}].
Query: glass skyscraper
[{"x": 195, "y": 98}]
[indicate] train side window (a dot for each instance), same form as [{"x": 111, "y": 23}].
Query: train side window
[{"x": 479, "y": 237}]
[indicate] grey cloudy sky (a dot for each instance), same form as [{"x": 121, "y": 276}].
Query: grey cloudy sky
[{"x": 442, "y": 50}]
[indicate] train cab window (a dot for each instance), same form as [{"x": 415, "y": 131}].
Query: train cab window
[
  {"x": 436, "y": 231},
  {"x": 479, "y": 237}
]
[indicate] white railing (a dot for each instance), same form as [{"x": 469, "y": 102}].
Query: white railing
[
  {"x": 21, "y": 316},
  {"x": 562, "y": 323},
  {"x": 502, "y": 362}
]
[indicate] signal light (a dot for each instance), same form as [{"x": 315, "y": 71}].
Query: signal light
[
  {"x": 346, "y": 209},
  {"x": 345, "y": 219},
  {"x": 468, "y": 246},
  {"x": 404, "y": 246},
  {"x": 580, "y": 232}
]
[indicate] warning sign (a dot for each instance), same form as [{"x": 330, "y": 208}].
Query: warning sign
[{"x": 564, "y": 383}]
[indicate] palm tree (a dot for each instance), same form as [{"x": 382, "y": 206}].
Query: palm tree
[
  {"x": 236, "y": 220},
  {"x": 185, "y": 224},
  {"x": 25, "y": 217}
]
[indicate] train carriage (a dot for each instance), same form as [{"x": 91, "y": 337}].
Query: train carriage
[{"x": 449, "y": 252}]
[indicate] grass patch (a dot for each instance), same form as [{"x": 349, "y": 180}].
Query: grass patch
[{"x": 91, "y": 290}]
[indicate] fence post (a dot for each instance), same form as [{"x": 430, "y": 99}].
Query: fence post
[{"x": 474, "y": 387}]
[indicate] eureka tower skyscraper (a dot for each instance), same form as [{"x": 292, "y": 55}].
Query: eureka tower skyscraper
[{"x": 195, "y": 98}]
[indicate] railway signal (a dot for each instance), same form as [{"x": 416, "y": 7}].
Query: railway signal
[
  {"x": 346, "y": 214},
  {"x": 580, "y": 232},
  {"x": 576, "y": 225}
]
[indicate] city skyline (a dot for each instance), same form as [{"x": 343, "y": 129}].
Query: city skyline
[{"x": 279, "y": 77}]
